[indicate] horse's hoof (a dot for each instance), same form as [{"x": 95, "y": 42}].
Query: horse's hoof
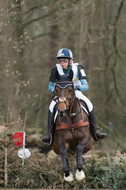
[
  {"x": 68, "y": 178},
  {"x": 80, "y": 175}
]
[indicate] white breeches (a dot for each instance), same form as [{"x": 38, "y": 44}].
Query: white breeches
[{"x": 80, "y": 96}]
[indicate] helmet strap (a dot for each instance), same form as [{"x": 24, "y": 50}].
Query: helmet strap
[{"x": 69, "y": 63}]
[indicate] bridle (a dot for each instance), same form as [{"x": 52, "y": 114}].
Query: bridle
[{"x": 60, "y": 99}]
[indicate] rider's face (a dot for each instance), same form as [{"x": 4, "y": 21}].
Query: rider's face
[{"x": 64, "y": 63}]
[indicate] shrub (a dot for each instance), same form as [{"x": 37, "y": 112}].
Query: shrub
[{"x": 39, "y": 172}]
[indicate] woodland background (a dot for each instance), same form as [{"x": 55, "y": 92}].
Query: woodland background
[{"x": 32, "y": 32}]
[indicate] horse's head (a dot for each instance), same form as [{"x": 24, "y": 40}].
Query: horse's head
[
  {"x": 65, "y": 95},
  {"x": 65, "y": 92}
]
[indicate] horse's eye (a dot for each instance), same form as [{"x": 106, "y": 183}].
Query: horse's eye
[{"x": 70, "y": 90}]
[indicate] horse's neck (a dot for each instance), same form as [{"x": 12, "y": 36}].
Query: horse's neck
[
  {"x": 76, "y": 108},
  {"x": 75, "y": 105}
]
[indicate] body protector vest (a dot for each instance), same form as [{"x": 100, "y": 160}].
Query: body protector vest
[{"x": 78, "y": 73}]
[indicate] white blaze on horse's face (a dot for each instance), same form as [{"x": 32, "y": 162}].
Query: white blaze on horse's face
[
  {"x": 62, "y": 103},
  {"x": 62, "y": 99}
]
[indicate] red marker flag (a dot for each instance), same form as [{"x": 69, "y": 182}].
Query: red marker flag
[{"x": 18, "y": 138}]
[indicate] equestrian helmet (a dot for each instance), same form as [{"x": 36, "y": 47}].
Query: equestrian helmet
[{"x": 64, "y": 53}]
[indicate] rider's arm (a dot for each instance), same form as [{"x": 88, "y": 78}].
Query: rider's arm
[
  {"x": 51, "y": 86},
  {"x": 52, "y": 79},
  {"x": 82, "y": 77},
  {"x": 84, "y": 85}
]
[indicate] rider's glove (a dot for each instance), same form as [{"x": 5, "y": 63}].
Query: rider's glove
[{"x": 77, "y": 87}]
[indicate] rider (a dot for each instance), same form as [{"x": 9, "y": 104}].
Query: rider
[{"x": 64, "y": 66}]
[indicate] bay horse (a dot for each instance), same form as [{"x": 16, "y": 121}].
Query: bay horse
[{"x": 72, "y": 129}]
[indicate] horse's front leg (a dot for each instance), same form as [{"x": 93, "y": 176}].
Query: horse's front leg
[
  {"x": 63, "y": 152},
  {"x": 79, "y": 172}
]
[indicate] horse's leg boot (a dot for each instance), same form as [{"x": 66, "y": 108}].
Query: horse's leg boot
[
  {"x": 49, "y": 139},
  {"x": 92, "y": 120}
]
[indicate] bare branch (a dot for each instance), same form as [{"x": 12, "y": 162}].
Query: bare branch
[
  {"x": 36, "y": 19},
  {"x": 41, "y": 35},
  {"x": 32, "y": 8}
]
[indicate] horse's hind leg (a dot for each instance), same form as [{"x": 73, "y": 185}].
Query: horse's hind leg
[
  {"x": 63, "y": 152},
  {"x": 79, "y": 173}
]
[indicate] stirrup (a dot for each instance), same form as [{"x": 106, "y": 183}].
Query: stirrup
[{"x": 48, "y": 138}]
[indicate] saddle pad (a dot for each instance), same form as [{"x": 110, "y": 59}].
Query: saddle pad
[
  {"x": 55, "y": 116},
  {"x": 84, "y": 109}
]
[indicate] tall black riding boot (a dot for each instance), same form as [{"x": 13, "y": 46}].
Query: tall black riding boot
[
  {"x": 48, "y": 140},
  {"x": 92, "y": 120}
]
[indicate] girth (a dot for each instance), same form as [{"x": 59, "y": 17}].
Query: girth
[{"x": 81, "y": 123}]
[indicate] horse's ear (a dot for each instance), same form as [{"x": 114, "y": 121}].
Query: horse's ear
[
  {"x": 57, "y": 74},
  {"x": 70, "y": 75}
]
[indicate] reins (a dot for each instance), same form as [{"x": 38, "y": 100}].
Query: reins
[
  {"x": 74, "y": 113},
  {"x": 37, "y": 110}
]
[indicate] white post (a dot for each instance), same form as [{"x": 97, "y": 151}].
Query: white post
[{"x": 23, "y": 150}]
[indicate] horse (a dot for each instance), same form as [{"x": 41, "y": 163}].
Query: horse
[{"x": 72, "y": 129}]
